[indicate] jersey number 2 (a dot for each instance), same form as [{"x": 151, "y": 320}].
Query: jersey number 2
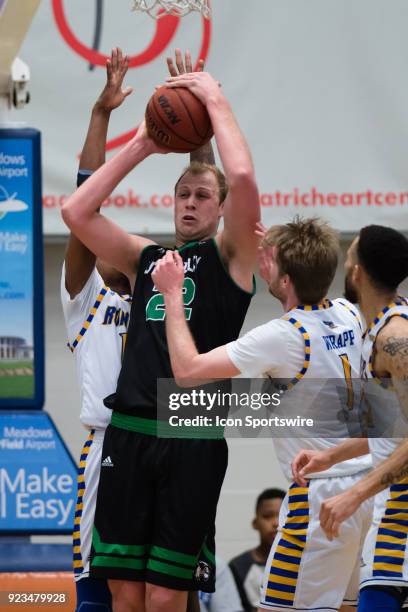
[{"x": 155, "y": 309}]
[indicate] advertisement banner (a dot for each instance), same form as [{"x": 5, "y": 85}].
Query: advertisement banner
[
  {"x": 21, "y": 272},
  {"x": 37, "y": 476},
  {"x": 322, "y": 106}
]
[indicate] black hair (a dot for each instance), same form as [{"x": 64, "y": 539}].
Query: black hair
[
  {"x": 383, "y": 253},
  {"x": 269, "y": 494}
]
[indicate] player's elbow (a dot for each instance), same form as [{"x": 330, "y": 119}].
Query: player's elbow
[
  {"x": 184, "y": 382},
  {"x": 184, "y": 376},
  {"x": 72, "y": 217},
  {"x": 242, "y": 176},
  {"x": 69, "y": 216}
]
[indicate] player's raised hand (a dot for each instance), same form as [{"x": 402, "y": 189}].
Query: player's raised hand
[
  {"x": 183, "y": 66},
  {"x": 168, "y": 274},
  {"x": 112, "y": 94},
  {"x": 335, "y": 510},
  {"x": 201, "y": 84},
  {"x": 307, "y": 462}
]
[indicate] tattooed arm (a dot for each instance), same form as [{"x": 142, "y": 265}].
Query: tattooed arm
[
  {"x": 391, "y": 358},
  {"x": 337, "y": 509}
]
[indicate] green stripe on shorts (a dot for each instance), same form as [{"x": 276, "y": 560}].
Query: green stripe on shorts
[
  {"x": 102, "y": 561},
  {"x": 117, "y": 549},
  {"x": 210, "y": 556},
  {"x": 163, "y": 429},
  {"x": 171, "y": 570},
  {"x": 175, "y": 557}
]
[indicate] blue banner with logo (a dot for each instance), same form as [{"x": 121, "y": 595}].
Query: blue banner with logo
[
  {"x": 21, "y": 270},
  {"x": 37, "y": 475}
]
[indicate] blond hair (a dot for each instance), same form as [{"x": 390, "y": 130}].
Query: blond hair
[
  {"x": 196, "y": 167},
  {"x": 307, "y": 250}
]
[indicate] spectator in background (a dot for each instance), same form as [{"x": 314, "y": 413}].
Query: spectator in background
[
  {"x": 248, "y": 568},
  {"x": 226, "y": 597}
]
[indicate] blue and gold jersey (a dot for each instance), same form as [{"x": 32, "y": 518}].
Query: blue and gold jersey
[
  {"x": 96, "y": 321},
  {"x": 385, "y": 423}
]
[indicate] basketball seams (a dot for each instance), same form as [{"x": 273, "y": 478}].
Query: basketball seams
[
  {"x": 168, "y": 128},
  {"x": 160, "y": 125},
  {"x": 189, "y": 114}
]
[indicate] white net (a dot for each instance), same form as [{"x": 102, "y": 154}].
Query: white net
[{"x": 172, "y": 7}]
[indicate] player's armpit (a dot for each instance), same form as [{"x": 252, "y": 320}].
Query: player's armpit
[
  {"x": 79, "y": 264},
  {"x": 240, "y": 263}
]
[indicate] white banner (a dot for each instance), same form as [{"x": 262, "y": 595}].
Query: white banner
[{"x": 320, "y": 89}]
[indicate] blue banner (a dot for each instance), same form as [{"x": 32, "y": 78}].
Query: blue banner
[
  {"x": 21, "y": 270},
  {"x": 37, "y": 475}
]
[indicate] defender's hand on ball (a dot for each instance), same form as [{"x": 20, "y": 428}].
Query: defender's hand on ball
[
  {"x": 168, "y": 275},
  {"x": 201, "y": 84},
  {"x": 113, "y": 95}
]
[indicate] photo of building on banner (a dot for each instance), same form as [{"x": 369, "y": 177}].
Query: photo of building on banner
[{"x": 21, "y": 273}]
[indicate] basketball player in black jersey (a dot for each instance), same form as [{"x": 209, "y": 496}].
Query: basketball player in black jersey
[{"x": 157, "y": 497}]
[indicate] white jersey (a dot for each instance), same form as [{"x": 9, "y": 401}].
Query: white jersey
[
  {"x": 313, "y": 343},
  {"x": 385, "y": 422},
  {"x": 385, "y": 554},
  {"x": 96, "y": 321}
]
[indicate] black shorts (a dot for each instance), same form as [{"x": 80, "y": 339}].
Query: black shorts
[{"x": 156, "y": 507}]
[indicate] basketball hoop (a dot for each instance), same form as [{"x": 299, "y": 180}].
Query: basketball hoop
[{"x": 160, "y": 8}]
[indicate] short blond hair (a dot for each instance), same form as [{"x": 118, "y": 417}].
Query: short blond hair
[
  {"x": 196, "y": 167},
  {"x": 307, "y": 250}
]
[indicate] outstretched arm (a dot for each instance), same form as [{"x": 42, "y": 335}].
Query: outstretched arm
[
  {"x": 79, "y": 260},
  {"x": 81, "y": 211},
  {"x": 189, "y": 366},
  {"x": 238, "y": 242}
]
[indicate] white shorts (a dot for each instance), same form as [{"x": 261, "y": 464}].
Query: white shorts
[
  {"x": 88, "y": 480},
  {"x": 305, "y": 571},
  {"x": 385, "y": 553}
]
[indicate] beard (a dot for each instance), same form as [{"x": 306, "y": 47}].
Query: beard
[
  {"x": 274, "y": 291},
  {"x": 350, "y": 292}
]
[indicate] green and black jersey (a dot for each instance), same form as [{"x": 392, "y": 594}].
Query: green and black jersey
[{"x": 215, "y": 308}]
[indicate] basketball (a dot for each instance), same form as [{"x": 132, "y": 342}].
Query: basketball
[{"x": 176, "y": 120}]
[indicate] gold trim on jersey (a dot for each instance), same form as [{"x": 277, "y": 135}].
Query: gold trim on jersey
[
  {"x": 324, "y": 305},
  {"x": 285, "y": 566},
  {"x": 89, "y": 319},
  {"x": 400, "y": 301},
  {"x": 307, "y": 348},
  {"x": 76, "y": 536},
  {"x": 391, "y": 540}
]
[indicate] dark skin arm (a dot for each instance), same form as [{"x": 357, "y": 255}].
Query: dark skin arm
[{"x": 79, "y": 260}]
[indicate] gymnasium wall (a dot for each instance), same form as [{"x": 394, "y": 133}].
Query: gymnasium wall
[{"x": 320, "y": 89}]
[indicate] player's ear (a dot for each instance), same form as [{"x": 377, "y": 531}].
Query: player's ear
[
  {"x": 255, "y": 524},
  {"x": 221, "y": 209},
  {"x": 356, "y": 274}
]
